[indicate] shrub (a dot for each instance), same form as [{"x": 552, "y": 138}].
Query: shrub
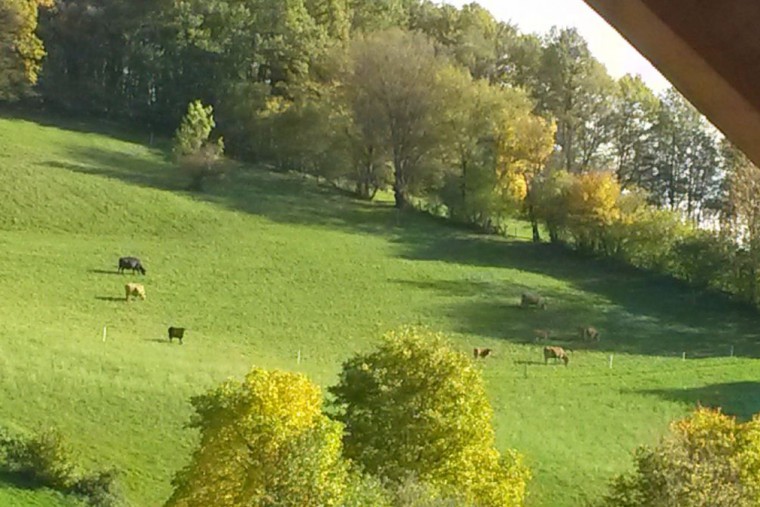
[
  {"x": 707, "y": 460},
  {"x": 193, "y": 149},
  {"x": 99, "y": 488},
  {"x": 45, "y": 459},
  {"x": 702, "y": 258},
  {"x": 411, "y": 492},
  {"x": 416, "y": 406},
  {"x": 363, "y": 490}
]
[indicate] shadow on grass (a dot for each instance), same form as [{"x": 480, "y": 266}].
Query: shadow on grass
[
  {"x": 94, "y": 125},
  {"x": 740, "y": 399},
  {"x": 109, "y": 298},
  {"x": 279, "y": 197},
  {"x": 635, "y": 312},
  {"x": 103, "y": 272},
  {"x": 19, "y": 480},
  {"x": 158, "y": 340},
  {"x": 529, "y": 363}
]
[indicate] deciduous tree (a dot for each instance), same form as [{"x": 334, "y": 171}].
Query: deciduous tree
[
  {"x": 707, "y": 460},
  {"x": 416, "y": 406},
  {"x": 193, "y": 148},
  {"x": 263, "y": 441},
  {"x": 391, "y": 78},
  {"x": 21, "y": 51}
]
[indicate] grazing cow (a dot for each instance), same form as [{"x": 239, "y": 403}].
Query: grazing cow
[
  {"x": 541, "y": 335},
  {"x": 176, "y": 332},
  {"x": 478, "y": 352},
  {"x": 132, "y": 263},
  {"x": 556, "y": 353},
  {"x": 532, "y": 299},
  {"x": 134, "y": 289},
  {"x": 589, "y": 333}
]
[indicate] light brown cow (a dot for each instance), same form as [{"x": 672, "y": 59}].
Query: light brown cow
[
  {"x": 556, "y": 353},
  {"x": 134, "y": 289},
  {"x": 532, "y": 299},
  {"x": 478, "y": 352},
  {"x": 541, "y": 335},
  {"x": 589, "y": 333}
]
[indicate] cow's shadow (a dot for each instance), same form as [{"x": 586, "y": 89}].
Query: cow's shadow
[
  {"x": 159, "y": 340},
  {"x": 104, "y": 272},
  {"x": 109, "y": 298}
]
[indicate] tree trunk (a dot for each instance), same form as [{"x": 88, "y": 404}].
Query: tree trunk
[
  {"x": 534, "y": 227},
  {"x": 399, "y": 194},
  {"x": 463, "y": 187},
  {"x": 399, "y": 188},
  {"x": 533, "y": 219},
  {"x": 553, "y": 236}
]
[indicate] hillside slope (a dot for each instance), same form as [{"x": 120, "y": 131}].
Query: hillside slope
[{"x": 266, "y": 268}]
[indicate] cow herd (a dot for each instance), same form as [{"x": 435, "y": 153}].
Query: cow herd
[
  {"x": 530, "y": 299},
  {"x": 135, "y": 290}
]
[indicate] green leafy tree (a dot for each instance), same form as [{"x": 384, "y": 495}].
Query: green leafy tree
[
  {"x": 376, "y": 15},
  {"x": 193, "y": 149},
  {"x": 390, "y": 82},
  {"x": 493, "y": 143},
  {"x": 468, "y": 116},
  {"x": 645, "y": 235},
  {"x": 548, "y": 199},
  {"x": 707, "y": 460},
  {"x": 701, "y": 258},
  {"x": 687, "y": 157},
  {"x": 635, "y": 115},
  {"x": 415, "y": 406},
  {"x": 263, "y": 441},
  {"x": 574, "y": 88},
  {"x": 741, "y": 221}
]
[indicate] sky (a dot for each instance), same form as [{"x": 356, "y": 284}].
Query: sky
[{"x": 606, "y": 44}]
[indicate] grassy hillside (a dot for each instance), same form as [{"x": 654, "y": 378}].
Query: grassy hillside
[{"x": 265, "y": 266}]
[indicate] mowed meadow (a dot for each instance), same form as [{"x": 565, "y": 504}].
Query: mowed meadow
[{"x": 277, "y": 271}]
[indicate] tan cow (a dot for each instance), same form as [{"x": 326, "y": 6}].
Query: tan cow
[
  {"x": 556, "y": 353},
  {"x": 478, "y": 352},
  {"x": 532, "y": 299},
  {"x": 541, "y": 335},
  {"x": 589, "y": 333},
  {"x": 134, "y": 289}
]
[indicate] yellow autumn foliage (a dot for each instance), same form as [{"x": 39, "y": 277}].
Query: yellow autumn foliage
[
  {"x": 593, "y": 198},
  {"x": 526, "y": 143},
  {"x": 264, "y": 441},
  {"x": 21, "y": 51},
  {"x": 416, "y": 406},
  {"x": 708, "y": 459}
]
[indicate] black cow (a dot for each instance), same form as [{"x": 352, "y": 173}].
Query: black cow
[
  {"x": 176, "y": 332},
  {"x": 132, "y": 263}
]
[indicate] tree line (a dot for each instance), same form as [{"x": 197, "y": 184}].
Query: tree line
[{"x": 443, "y": 106}]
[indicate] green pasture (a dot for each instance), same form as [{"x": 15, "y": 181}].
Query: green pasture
[{"x": 267, "y": 267}]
